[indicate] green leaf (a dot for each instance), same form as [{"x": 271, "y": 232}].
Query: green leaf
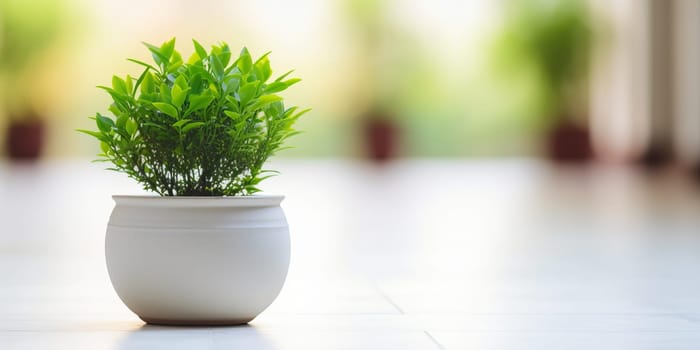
[
  {"x": 217, "y": 67},
  {"x": 105, "y": 147},
  {"x": 275, "y": 109},
  {"x": 131, "y": 126},
  {"x": 166, "y": 108},
  {"x": 245, "y": 62},
  {"x": 119, "y": 85},
  {"x": 201, "y": 52},
  {"x": 178, "y": 124},
  {"x": 157, "y": 55},
  {"x": 261, "y": 58},
  {"x": 299, "y": 114},
  {"x": 139, "y": 81},
  {"x": 147, "y": 85},
  {"x": 224, "y": 54},
  {"x": 263, "y": 67},
  {"x": 95, "y": 134},
  {"x": 246, "y": 93},
  {"x": 191, "y": 126},
  {"x": 105, "y": 124},
  {"x": 179, "y": 96},
  {"x": 281, "y": 77},
  {"x": 175, "y": 62},
  {"x": 165, "y": 94},
  {"x": 277, "y": 86},
  {"x": 121, "y": 120},
  {"x": 167, "y": 49},
  {"x": 233, "y": 115},
  {"x": 181, "y": 81},
  {"x": 129, "y": 85},
  {"x": 142, "y": 63},
  {"x": 292, "y": 81},
  {"x": 198, "y": 102},
  {"x": 265, "y": 100}
]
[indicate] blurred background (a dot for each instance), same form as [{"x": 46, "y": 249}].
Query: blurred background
[
  {"x": 568, "y": 80},
  {"x": 493, "y": 170}
]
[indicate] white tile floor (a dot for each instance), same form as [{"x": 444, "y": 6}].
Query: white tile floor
[{"x": 414, "y": 255}]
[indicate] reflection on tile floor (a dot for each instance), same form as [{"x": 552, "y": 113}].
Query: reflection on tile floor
[{"x": 413, "y": 255}]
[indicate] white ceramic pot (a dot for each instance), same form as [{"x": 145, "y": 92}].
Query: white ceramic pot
[{"x": 197, "y": 260}]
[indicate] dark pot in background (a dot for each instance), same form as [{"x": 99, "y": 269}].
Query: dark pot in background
[
  {"x": 25, "y": 139},
  {"x": 379, "y": 134},
  {"x": 569, "y": 143},
  {"x": 381, "y": 138}
]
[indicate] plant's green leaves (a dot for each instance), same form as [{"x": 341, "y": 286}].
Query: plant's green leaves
[
  {"x": 105, "y": 147},
  {"x": 131, "y": 126},
  {"x": 139, "y": 81},
  {"x": 95, "y": 134},
  {"x": 265, "y": 100},
  {"x": 277, "y": 86},
  {"x": 147, "y": 85},
  {"x": 199, "y": 49},
  {"x": 230, "y": 84},
  {"x": 213, "y": 90},
  {"x": 157, "y": 55},
  {"x": 263, "y": 70},
  {"x": 233, "y": 115},
  {"x": 196, "y": 85},
  {"x": 121, "y": 121},
  {"x": 166, "y": 108},
  {"x": 281, "y": 77},
  {"x": 246, "y": 93},
  {"x": 167, "y": 49},
  {"x": 194, "y": 59},
  {"x": 224, "y": 54},
  {"x": 203, "y": 73},
  {"x": 178, "y": 124},
  {"x": 292, "y": 81},
  {"x": 198, "y": 102},
  {"x": 175, "y": 62},
  {"x": 114, "y": 109},
  {"x": 179, "y": 95},
  {"x": 217, "y": 67},
  {"x": 191, "y": 126},
  {"x": 228, "y": 99},
  {"x": 143, "y": 64},
  {"x": 158, "y": 126},
  {"x": 129, "y": 85},
  {"x": 119, "y": 85},
  {"x": 181, "y": 81},
  {"x": 261, "y": 58},
  {"x": 245, "y": 62},
  {"x": 165, "y": 94},
  {"x": 105, "y": 124}
]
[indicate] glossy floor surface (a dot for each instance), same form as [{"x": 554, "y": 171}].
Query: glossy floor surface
[{"x": 451, "y": 254}]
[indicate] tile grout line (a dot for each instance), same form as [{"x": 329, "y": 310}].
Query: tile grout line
[
  {"x": 386, "y": 297},
  {"x": 437, "y": 343}
]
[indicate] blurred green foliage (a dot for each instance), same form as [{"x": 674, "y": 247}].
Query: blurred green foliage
[
  {"x": 552, "y": 38},
  {"x": 27, "y": 30}
]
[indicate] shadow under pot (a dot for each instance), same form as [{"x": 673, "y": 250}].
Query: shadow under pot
[{"x": 197, "y": 260}]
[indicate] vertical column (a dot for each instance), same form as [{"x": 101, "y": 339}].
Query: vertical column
[
  {"x": 686, "y": 72},
  {"x": 660, "y": 103},
  {"x": 620, "y": 79}
]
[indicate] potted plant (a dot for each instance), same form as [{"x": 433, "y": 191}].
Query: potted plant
[
  {"x": 197, "y": 133},
  {"x": 554, "y": 39},
  {"x": 27, "y": 31}
]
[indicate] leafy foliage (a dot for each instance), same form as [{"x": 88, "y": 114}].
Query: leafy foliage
[
  {"x": 204, "y": 127},
  {"x": 554, "y": 37}
]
